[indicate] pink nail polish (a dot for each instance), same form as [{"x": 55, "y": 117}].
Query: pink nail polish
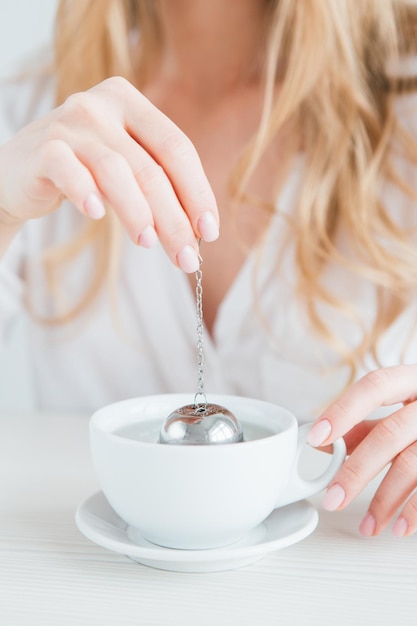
[
  {"x": 368, "y": 525},
  {"x": 148, "y": 238},
  {"x": 319, "y": 433},
  {"x": 188, "y": 259},
  {"x": 400, "y": 527},
  {"x": 334, "y": 497},
  {"x": 208, "y": 227},
  {"x": 94, "y": 207}
]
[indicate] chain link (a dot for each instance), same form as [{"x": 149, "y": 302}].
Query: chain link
[{"x": 200, "y": 406}]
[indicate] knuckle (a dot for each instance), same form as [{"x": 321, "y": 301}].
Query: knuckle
[
  {"x": 410, "y": 509},
  {"x": 389, "y": 429},
  {"x": 178, "y": 145},
  {"x": 376, "y": 382},
  {"x": 57, "y": 128},
  {"x": 379, "y": 503},
  {"x": 406, "y": 461},
  {"x": 52, "y": 152},
  {"x": 341, "y": 408},
  {"x": 203, "y": 196},
  {"x": 150, "y": 178},
  {"x": 381, "y": 507},
  {"x": 176, "y": 237},
  {"x": 117, "y": 84},
  {"x": 352, "y": 474},
  {"x": 111, "y": 164},
  {"x": 80, "y": 106}
]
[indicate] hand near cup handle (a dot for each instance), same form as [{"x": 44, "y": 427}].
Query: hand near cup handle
[
  {"x": 372, "y": 445},
  {"x": 298, "y": 487}
]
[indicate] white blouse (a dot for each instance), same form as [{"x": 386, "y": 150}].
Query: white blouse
[{"x": 143, "y": 341}]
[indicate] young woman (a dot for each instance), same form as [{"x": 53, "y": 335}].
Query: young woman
[{"x": 290, "y": 124}]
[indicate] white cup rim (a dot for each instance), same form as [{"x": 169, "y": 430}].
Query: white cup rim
[{"x": 116, "y": 415}]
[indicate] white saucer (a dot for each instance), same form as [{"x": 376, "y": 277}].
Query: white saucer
[{"x": 285, "y": 526}]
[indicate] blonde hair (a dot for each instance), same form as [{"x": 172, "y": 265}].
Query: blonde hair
[{"x": 330, "y": 59}]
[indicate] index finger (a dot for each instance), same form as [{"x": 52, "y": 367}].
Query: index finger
[{"x": 381, "y": 387}]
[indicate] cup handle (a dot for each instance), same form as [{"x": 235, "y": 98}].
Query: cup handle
[{"x": 298, "y": 488}]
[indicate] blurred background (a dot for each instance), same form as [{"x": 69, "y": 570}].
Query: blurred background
[{"x": 25, "y": 27}]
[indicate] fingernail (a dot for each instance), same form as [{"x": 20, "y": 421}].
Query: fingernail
[
  {"x": 148, "y": 238},
  {"x": 319, "y": 433},
  {"x": 94, "y": 207},
  {"x": 188, "y": 259},
  {"x": 334, "y": 497},
  {"x": 368, "y": 525},
  {"x": 400, "y": 527},
  {"x": 208, "y": 227}
]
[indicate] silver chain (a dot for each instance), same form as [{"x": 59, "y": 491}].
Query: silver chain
[{"x": 201, "y": 405}]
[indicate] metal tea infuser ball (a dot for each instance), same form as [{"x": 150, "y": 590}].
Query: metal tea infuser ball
[{"x": 201, "y": 422}]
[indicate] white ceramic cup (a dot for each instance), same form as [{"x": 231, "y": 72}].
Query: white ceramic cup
[{"x": 200, "y": 496}]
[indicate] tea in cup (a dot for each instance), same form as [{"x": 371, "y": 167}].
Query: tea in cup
[{"x": 200, "y": 496}]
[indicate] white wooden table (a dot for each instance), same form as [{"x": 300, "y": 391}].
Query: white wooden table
[{"x": 51, "y": 574}]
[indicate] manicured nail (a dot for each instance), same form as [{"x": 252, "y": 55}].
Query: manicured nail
[
  {"x": 368, "y": 525},
  {"x": 334, "y": 497},
  {"x": 148, "y": 238},
  {"x": 400, "y": 527},
  {"x": 188, "y": 259},
  {"x": 208, "y": 227},
  {"x": 94, "y": 207},
  {"x": 319, "y": 433}
]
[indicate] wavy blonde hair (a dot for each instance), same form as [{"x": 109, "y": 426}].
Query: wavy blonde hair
[{"x": 330, "y": 59}]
